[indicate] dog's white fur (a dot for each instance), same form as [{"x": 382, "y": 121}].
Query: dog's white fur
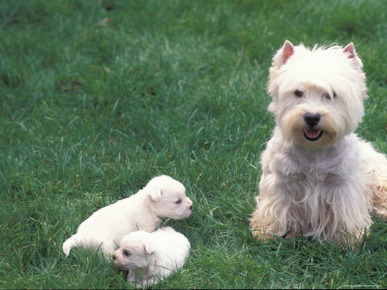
[
  {"x": 162, "y": 197},
  {"x": 151, "y": 257},
  {"x": 318, "y": 178}
]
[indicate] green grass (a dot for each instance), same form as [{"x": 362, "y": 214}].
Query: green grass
[{"x": 97, "y": 97}]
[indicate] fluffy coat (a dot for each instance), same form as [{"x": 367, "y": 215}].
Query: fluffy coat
[
  {"x": 162, "y": 197},
  {"x": 151, "y": 257},
  {"x": 318, "y": 178}
]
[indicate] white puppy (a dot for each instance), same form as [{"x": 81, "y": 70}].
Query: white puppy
[
  {"x": 151, "y": 257},
  {"x": 162, "y": 197}
]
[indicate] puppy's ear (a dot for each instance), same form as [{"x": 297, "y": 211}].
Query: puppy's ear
[
  {"x": 350, "y": 50},
  {"x": 148, "y": 249},
  {"x": 283, "y": 54},
  {"x": 155, "y": 194}
]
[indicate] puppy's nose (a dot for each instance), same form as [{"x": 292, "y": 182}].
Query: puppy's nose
[
  {"x": 114, "y": 257},
  {"x": 312, "y": 119},
  {"x": 190, "y": 207}
]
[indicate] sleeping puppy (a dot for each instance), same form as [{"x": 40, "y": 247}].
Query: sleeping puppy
[
  {"x": 162, "y": 197},
  {"x": 151, "y": 257}
]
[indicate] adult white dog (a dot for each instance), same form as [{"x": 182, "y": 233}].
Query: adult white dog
[
  {"x": 151, "y": 257},
  {"x": 162, "y": 197},
  {"x": 318, "y": 178}
]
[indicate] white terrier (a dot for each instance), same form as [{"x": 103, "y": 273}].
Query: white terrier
[
  {"x": 151, "y": 257},
  {"x": 318, "y": 178},
  {"x": 162, "y": 197}
]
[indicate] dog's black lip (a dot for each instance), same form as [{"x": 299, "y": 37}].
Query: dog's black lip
[{"x": 314, "y": 139}]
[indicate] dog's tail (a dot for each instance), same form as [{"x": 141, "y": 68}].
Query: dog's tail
[
  {"x": 69, "y": 244},
  {"x": 375, "y": 168}
]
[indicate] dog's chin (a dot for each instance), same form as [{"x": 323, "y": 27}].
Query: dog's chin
[
  {"x": 182, "y": 216},
  {"x": 121, "y": 266}
]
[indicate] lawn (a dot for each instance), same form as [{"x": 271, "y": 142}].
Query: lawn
[{"x": 98, "y": 97}]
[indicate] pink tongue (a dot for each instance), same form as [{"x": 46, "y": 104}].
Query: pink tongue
[{"x": 312, "y": 134}]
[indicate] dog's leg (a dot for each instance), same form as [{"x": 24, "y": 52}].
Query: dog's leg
[
  {"x": 379, "y": 188},
  {"x": 69, "y": 244},
  {"x": 345, "y": 216},
  {"x": 270, "y": 217},
  {"x": 375, "y": 168},
  {"x": 380, "y": 196},
  {"x": 131, "y": 276},
  {"x": 260, "y": 226}
]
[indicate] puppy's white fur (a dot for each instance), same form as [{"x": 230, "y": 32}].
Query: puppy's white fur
[
  {"x": 162, "y": 197},
  {"x": 318, "y": 178},
  {"x": 151, "y": 257}
]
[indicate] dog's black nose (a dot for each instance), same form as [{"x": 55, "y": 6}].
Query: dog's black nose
[
  {"x": 312, "y": 119},
  {"x": 114, "y": 257},
  {"x": 190, "y": 207}
]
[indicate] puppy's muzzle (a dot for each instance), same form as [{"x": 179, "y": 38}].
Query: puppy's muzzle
[{"x": 115, "y": 260}]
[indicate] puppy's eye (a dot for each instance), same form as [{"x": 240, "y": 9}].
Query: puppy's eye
[
  {"x": 298, "y": 93},
  {"x": 334, "y": 95},
  {"x": 126, "y": 253},
  {"x": 178, "y": 201},
  {"x": 327, "y": 96}
]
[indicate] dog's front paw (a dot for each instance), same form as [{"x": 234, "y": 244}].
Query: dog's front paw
[
  {"x": 260, "y": 234},
  {"x": 131, "y": 277},
  {"x": 259, "y": 230},
  {"x": 151, "y": 280}
]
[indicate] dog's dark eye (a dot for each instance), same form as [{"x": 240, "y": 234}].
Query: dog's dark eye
[
  {"x": 327, "y": 96},
  {"x": 178, "y": 201},
  {"x": 298, "y": 93},
  {"x": 126, "y": 253}
]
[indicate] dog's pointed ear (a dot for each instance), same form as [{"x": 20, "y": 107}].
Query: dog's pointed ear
[
  {"x": 350, "y": 48},
  {"x": 155, "y": 194},
  {"x": 279, "y": 59},
  {"x": 351, "y": 52},
  {"x": 287, "y": 51},
  {"x": 283, "y": 54},
  {"x": 148, "y": 249}
]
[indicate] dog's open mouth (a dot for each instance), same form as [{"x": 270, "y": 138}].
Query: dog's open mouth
[{"x": 313, "y": 134}]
